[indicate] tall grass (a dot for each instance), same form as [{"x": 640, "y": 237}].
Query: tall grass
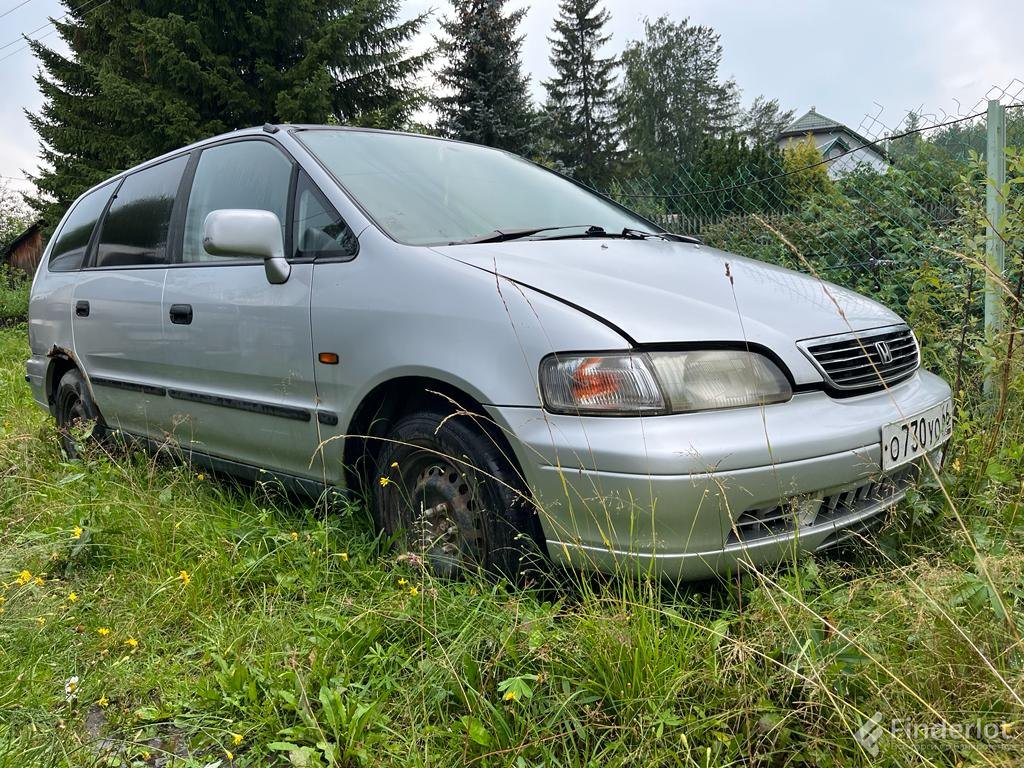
[{"x": 206, "y": 622}]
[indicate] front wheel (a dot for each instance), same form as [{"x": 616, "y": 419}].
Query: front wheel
[
  {"x": 76, "y": 413},
  {"x": 448, "y": 491}
]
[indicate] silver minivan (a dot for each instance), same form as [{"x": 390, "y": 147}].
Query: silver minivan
[{"x": 503, "y": 362}]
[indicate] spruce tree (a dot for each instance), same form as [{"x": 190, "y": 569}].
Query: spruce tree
[
  {"x": 488, "y": 100},
  {"x": 580, "y": 101},
  {"x": 146, "y": 76}
]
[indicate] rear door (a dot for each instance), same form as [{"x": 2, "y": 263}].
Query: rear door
[
  {"x": 240, "y": 348},
  {"x": 117, "y": 321}
]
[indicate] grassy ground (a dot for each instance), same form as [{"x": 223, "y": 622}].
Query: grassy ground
[{"x": 209, "y": 623}]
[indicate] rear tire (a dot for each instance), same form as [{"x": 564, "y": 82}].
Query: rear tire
[
  {"x": 76, "y": 412},
  {"x": 447, "y": 490}
]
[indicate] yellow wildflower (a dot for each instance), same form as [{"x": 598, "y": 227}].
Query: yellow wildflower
[
  {"x": 344, "y": 557},
  {"x": 385, "y": 482},
  {"x": 103, "y": 701},
  {"x": 41, "y": 620},
  {"x": 228, "y": 754},
  {"x": 295, "y": 536},
  {"x": 186, "y": 579},
  {"x": 72, "y": 597},
  {"x": 394, "y": 465},
  {"x": 200, "y": 477},
  {"x": 510, "y": 695},
  {"x": 413, "y": 591},
  {"x": 76, "y": 532},
  {"x": 38, "y": 581},
  {"x": 103, "y": 631},
  {"x": 236, "y": 739},
  {"x": 132, "y": 643},
  {"x": 146, "y": 755},
  {"x": 402, "y": 582},
  {"x": 23, "y": 578}
]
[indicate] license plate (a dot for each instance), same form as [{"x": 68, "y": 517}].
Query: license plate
[{"x": 914, "y": 436}]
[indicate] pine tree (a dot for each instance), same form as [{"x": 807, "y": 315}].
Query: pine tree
[
  {"x": 488, "y": 100},
  {"x": 580, "y": 96},
  {"x": 146, "y": 76},
  {"x": 671, "y": 97}
]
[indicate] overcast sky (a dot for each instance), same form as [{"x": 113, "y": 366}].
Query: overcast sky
[{"x": 851, "y": 60}]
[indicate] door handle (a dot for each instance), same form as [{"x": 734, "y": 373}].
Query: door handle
[
  {"x": 181, "y": 314},
  {"x": 82, "y": 308}
]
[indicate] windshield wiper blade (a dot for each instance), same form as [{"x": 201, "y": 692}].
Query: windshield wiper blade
[
  {"x": 503, "y": 235},
  {"x": 589, "y": 230},
  {"x": 664, "y": 236}
]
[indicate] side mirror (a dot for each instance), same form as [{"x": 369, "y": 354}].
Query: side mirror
[{"x": 243, "y": 232}]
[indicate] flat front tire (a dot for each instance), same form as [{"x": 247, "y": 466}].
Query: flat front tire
[{"x": 447, "y": 490}]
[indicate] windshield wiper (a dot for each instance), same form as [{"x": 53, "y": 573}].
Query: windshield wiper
[
  {"x": 503, "y": 235},
  {"x": 590, "y": 230},
  {"x": 663, "y": 235},
  {"x": 627, "y": 233}
]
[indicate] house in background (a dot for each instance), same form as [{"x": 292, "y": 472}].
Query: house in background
[
  {"x": 24, "y": 251},
  {"x": 835, "y": 141}
]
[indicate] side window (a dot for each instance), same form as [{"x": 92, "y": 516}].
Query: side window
[
  {"x": 134, "y": 231},
  {"x": 72, "y": 241},
  {"x": 319, "y": 231},
  {"x": 242, "y": 174}
]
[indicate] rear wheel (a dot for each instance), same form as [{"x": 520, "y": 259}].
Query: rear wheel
[
  {"x": 448, "y": 491},
  {"x": 78, "y": 418}
]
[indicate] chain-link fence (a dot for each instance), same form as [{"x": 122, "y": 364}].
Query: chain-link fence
[{"x": 893, "y": 212}]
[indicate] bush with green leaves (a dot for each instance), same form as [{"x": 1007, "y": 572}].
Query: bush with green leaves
[{"x": 14, "y": 290}]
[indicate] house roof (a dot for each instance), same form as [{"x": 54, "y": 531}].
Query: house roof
[
  {"x": 30, "y": 230},
  {"x": 813, "y": 121}
]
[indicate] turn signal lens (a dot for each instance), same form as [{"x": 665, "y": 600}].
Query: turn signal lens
[{"x": 600, "y": 384}]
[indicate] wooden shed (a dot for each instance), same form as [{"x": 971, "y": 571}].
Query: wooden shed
[{"x": 24, "y": 252}]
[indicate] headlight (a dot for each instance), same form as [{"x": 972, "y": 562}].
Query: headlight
[{"x": 636, "y": 383}]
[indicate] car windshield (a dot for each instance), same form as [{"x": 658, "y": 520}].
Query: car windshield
[{"x": 425, "y": 191}]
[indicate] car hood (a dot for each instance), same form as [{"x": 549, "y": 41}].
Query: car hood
[{"x": 660, "y": 292}]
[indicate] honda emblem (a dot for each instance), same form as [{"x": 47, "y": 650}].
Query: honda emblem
[{"x": 884, "y": 353}]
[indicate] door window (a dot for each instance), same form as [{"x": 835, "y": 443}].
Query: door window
[
  {"x": 242, "y": 174},
  {"x": 135, "y": 229},
  {"x": 320, "y": 232},
  {"x": 72, "y": 241}
]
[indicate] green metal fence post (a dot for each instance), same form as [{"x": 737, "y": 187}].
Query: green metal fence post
[{"x": 995, "y": 248}]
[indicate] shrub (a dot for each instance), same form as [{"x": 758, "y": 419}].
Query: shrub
[{"x": 14, "y": 287}]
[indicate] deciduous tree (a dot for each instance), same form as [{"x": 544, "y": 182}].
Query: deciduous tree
[{"x": 672, "y": 96}]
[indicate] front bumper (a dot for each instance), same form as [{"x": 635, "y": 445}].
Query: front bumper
[{"x": 665, "y": 494}]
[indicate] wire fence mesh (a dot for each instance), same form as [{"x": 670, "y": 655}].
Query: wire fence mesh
[{"x": 896, "y": 212}]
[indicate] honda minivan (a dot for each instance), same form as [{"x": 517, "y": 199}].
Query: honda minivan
[{"x": 502, "y": 361}]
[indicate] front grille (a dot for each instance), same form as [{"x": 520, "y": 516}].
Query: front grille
[
  {"x": 867, "y": 360},
  {"x": 806, "y": 511}
]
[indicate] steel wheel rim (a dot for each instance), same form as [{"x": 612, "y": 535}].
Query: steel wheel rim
[{"x": 440, "y": 511}]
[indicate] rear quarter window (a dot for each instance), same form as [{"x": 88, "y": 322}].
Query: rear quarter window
[
  {"x": 72, "y": 241},
  {"x": 136, "y": 227}
]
